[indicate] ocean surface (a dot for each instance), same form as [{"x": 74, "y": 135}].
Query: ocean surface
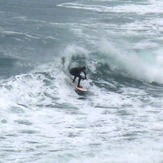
[{"x": 119, "y": 119}]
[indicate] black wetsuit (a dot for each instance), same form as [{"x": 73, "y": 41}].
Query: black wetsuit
[{"x": 76, "y": 71}]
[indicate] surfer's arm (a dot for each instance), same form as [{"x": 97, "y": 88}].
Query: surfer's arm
[{"x": 85, "y": 74}]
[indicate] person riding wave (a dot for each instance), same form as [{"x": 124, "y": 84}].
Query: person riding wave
[{"x": 76, "y": 72}]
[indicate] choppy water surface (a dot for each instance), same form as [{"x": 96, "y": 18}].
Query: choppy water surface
[{"x": 43, "y": 119}]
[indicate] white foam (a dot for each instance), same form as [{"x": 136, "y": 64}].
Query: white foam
[
  {"x": 132, "y": 64},
  {"x": 51, "y": 122},
  {"x": 44, "y": 120},
  {"x": 154, "y": 7}
]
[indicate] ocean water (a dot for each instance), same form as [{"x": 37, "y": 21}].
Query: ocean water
[{"x": 42, "y": 118}]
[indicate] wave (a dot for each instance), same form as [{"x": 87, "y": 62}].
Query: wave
[
  {"x": 17, "y": 35},
  {"x": 109, "y": 60},
  {"x": 140, "y": 8},
  {"x": 108, "y": 67},
  {"x": 132, "y": 64},
  {"x": 48, "y": 86}
]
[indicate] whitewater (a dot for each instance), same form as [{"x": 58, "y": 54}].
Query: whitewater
[{"x": 119, "y": 119}]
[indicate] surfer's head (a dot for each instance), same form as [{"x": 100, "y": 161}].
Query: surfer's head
[{"x": 83, "y": 68}]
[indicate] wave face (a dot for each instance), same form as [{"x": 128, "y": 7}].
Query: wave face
[{"x": 43, "y": 119}]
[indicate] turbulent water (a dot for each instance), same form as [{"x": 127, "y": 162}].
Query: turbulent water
[{"x": 42, "y": 118}]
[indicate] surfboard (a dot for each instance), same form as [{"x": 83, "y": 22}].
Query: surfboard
[
  {"x": 81, "y": 89},
  {"x": 78, "y": 90}
]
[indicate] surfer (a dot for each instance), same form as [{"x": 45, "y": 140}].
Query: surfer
[{"x": 76, "y": 72}]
